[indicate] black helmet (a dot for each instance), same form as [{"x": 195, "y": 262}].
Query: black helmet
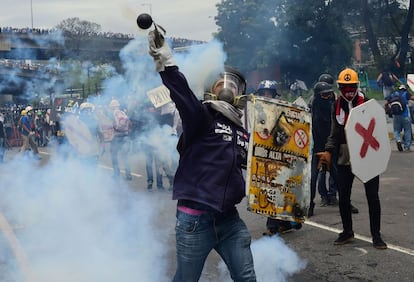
[
  {"x": 322, "y": 87},
  {"x": 325, "y": 77}
]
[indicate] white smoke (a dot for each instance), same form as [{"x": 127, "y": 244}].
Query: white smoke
[
  {"x": 273, "y": 260},
  {"x": 77, "y": 224}
]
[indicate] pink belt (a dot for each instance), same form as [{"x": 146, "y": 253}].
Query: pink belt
[{"x": 190, "y": 210}]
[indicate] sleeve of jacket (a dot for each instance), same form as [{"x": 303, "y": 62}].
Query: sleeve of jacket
[
  {"x": 191, "y": 109},
  {"x": 332, "y": 141}
]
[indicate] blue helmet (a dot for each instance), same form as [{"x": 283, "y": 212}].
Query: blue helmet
[{"x": 267, "y": 85}]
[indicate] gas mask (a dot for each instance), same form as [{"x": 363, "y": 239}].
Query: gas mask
[{"x": 229, "y": 87}]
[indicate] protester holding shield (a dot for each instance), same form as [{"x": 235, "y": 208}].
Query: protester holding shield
[
  {"x": 337, "y": 145},
  {"x": 209, "y": 181},
  {"x": 267, "y": 88}
]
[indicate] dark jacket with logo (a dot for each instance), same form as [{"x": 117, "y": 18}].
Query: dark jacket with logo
[{"x": 212, "y": 150}]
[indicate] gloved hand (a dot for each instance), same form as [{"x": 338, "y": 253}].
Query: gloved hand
[
  {"x": 162, "y": 55},
  {"x": 324, "y": 160}
]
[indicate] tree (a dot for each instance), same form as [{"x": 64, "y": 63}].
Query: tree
[
  {"x": 75, "y": 26},
  {"x": 79, "y": 38},
  {"x": 303, "y": 37},
  {"x": 388, "y": 26}
]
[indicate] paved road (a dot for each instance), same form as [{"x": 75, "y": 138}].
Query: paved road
[{"x": 313, "y": 244}]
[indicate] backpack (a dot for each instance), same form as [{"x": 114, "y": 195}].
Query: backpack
[
  {"x": 386, "y": 79},
  {"x": 121, "y": 121},
  {"x": 396, "y": 103}
]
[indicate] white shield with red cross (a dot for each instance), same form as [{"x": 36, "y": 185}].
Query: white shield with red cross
[
  {"x": 410, "y": 81},
  {"x": 368, "y": 142}
]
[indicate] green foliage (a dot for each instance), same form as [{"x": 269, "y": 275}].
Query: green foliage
[
  {"x": 76, "y": 26},
  {"x": 303, "y": 38}
]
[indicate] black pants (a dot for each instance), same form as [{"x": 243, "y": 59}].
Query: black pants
[{"x": 345, "y": 180}]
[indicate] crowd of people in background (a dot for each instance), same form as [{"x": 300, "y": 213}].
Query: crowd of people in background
[
  {"x": 30, "y": 128},
  {"x": 176, "y": 41}
]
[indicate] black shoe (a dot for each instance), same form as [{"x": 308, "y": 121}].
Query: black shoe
[
  {"x": 149, "y": 186},
  {"x": 128, "y": 177},
  {"x": 344, "y": 238},
  {"x": 285, "y": 228},
  {"x": 379, "y": 244},
  {"x": 310, "y": 211},
  {"x": 296, "y": 225},
  {"x": 354, "y": 209},
  {"x": 270, "y": 232},
  {"x": 324, "y": 202},
  {"x": 399, "y": 146},
  {"x": 333, "y": 201}
]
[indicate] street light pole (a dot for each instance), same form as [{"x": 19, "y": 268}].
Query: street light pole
[
  {"x": 149, "y": 5},
  {"x": 31, "y": 11}
]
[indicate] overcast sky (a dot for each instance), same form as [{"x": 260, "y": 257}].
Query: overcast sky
[{"x": 189, "y": 19}]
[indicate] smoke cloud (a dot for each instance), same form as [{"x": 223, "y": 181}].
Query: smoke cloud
[{"x": 75, "y": 223}]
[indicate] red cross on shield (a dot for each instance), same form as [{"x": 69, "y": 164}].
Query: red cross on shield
[{"x": 368, "y": 141}]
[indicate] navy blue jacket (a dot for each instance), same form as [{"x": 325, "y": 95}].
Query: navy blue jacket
[{"x": 212, "y": 150}]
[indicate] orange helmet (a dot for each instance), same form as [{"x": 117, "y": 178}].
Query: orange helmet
[{"x": 348, "y": 76}]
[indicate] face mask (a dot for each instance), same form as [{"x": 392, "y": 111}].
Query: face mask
[{"x": 348, "y": 91}]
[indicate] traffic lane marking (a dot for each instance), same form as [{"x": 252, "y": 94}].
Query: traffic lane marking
[{"x": 361, "y": 237}]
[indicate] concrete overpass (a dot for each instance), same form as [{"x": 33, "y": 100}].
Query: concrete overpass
[{"x": 18, "y": 47}]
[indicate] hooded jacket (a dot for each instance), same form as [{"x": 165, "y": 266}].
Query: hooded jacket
[{"x": 213, "y": 150}]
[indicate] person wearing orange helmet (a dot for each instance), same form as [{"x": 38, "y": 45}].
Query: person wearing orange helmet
[
  {"x": 351, "y": 96},
  {"x": 28, "y": 133}
]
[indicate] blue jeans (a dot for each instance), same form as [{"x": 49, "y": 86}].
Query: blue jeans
[
  {"x": 402, "y": 123},
  {"x": 150, "y": 160},
  {"x": 117, "y": 145},
  {"x": 2, "y": 149},
  {"x": 197, "y": 235}
]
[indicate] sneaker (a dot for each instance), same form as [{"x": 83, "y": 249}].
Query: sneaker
[
  {"x": 128, "y": 177},
  {"x": 399, "y": 146},
  {"x": 270, "y": 232},
  {"x": 160, "y": 188},
  {"x": 149, "y": 186},
  {"x": 344, "y": 238},
  {"x": 324, "y": 202},
  {"x": 285, "y": 226},
  {"x": 379, "y": 244},
  {"x": 354, "y": 209},
  {"x": 333, "y": 201}
]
